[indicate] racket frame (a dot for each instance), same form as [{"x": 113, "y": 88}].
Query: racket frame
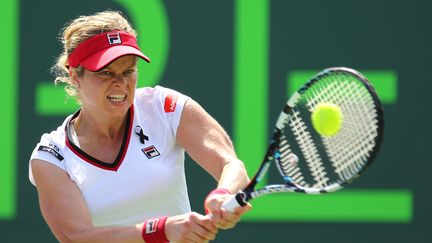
[{"x": 245, "y": 195}]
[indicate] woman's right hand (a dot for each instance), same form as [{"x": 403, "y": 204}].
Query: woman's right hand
[{"x": 190, "y": 227}]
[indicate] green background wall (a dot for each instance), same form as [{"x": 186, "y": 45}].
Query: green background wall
[{"x": 240, "y": 59}]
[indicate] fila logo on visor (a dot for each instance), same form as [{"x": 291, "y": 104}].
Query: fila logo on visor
[{"x": 114, "y": 38}]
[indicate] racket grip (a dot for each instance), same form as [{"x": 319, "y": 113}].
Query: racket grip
[{"x": 234, "y": 202}]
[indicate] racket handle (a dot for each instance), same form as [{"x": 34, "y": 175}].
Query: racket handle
[{"x": 234, "y": 202}]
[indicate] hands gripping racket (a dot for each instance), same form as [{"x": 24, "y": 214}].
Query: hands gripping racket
[{"x": 313, "y": 164}]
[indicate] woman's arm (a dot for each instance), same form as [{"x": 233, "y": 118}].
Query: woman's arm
[
  {"x": 65, "y": 211},
  {"x": 209, "y": 145}
]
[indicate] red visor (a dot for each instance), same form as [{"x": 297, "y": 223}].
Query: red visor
[{"x": 100, "y": 50}]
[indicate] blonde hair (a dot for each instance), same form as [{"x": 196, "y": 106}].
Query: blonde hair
[{"x": 79, "y": 30}]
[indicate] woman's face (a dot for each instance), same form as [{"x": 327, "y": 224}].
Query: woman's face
[{"x": 111, "y": 90}]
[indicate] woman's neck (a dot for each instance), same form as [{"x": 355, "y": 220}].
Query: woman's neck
[{"x": 99, "y": 127}]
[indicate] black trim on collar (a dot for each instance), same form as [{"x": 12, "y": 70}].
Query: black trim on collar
[{"x": 90, "y": 159}]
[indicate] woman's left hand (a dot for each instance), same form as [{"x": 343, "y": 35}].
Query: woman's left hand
[{"x": 220, "y": 217}]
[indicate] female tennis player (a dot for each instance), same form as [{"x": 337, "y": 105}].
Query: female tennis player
[{"x": 114, "y": 170}]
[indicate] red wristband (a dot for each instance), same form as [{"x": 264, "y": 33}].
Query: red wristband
[
  {"x": 154, "y": 230},
  {"x": 217, "y": 191}
]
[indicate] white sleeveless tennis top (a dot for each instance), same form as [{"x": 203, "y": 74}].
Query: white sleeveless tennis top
[{"x": 146, "y": 180}]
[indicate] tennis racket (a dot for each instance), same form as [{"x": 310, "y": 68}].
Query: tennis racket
[{"x": 314, "y": 164}]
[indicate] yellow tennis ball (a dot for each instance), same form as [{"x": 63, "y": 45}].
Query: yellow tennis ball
[{"x": 327, "y": 119}]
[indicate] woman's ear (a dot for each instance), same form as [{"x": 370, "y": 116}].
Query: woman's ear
[{"x": 74, "y": 77}]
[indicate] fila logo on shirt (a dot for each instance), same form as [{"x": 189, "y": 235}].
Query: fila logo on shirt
[
  {"x": 114, "y": 38},
  {"x": 150, "y": 152}
]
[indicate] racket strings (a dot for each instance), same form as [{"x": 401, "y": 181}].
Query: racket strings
[
  {"x": 310, "y": 153},
  {"x": 349, "y": 150},
  {"x": 317, "y": 177},
  {"x": 287, "y": 164}
]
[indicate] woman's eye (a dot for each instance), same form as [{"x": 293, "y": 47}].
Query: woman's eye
[
  {"x": 130, "y": 71},
  {"x": 105, "y": 73}
]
